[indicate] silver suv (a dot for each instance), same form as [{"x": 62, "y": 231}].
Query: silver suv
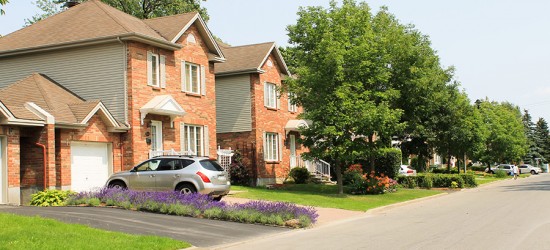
[
  {"x": 186, "y": 174},
  {"x": 526, "y": 168}
]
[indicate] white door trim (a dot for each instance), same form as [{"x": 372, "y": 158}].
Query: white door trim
[
  {"x": 156, "y": 136},
  {"x": 293, "y": 161}
]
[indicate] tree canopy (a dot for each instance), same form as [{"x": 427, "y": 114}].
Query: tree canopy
[
  {"x": 143, "y": 9},
  {"x": 2, "y": 3}
]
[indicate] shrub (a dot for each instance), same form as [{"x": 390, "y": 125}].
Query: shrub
[
  {"x": 478, "y": 168},
  {"x": 354, "y": 174},
  {"x": 437, "y": 180},
  {"x": 300, "y": 175},
  {"x": 372, "y": 184},
  {"x": 239, "y": 175},
  {"x": 50, "y": 197},
  {"x": 500, "y": 174},
  {"x": 388, "y": 162}
]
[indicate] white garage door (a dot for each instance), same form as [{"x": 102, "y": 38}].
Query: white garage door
[{"x": 89, "y": 165}]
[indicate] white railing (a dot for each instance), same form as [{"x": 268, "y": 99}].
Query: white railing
[
  {"x": 317, "y": 167},
  {"x": 155, "y": 153}
]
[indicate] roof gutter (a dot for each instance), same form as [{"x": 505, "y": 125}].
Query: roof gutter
[
  {"x": 238, "y": 72},
  {"x": 94, "y": 41}
]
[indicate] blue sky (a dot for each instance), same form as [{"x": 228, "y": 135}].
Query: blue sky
[{"x": 500, "y": 48}]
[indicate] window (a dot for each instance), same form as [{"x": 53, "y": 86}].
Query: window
[
  {"x": 271, "y": 147},
  {"x": 192, "y": 140},
  {"x": 270, "y": 95},
  {"x": 291, "y": 107},
  {"x": 191, "y": 77},
  {"x": 148, "y": 166},
  {"x": 156, "y": 71}
]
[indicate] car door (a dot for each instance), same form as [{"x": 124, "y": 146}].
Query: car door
[
  {"x": 143, "y": 176},
  {"x": 167, "y": 175}
]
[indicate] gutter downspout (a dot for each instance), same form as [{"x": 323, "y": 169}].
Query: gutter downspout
[{"x": 45, "y": 164}]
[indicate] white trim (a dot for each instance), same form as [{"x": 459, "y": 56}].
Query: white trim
[
  {"x": 12, "y": 120},
  {"x": 206, "y": 139},
  {"x": 149, "y": 68},
  {"x": 106, "y": 113},
  {"x": 279, "y": 57},
  {"x": 162, "y": 71},
  {"x": 158, "y": 104},
  {"x": 203, "y": 79},
  {"x": 206, "y": 30},
  {"x": 267, "y": 95},
  {"x": 43, "y": 114},
  {"x": 199, "y": 82}
]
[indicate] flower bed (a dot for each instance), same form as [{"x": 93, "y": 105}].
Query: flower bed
[{"x": 200, "y": 206}]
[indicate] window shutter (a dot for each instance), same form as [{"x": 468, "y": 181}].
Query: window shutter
[
  {"x": 266, "y": 95},
  {"x": 280, "y": 147},
  {"x": 163, "y": 72},
  {"x": 203, "y": 80},
  {"x": 278, "y": 99},
  {"x": 149, "y": 68},
  {"x": 183, "y": 76},
  {"x": 206, "y": 141},
  {"x": 182, "y": 132},
  {"x": 264, "y": 136}
]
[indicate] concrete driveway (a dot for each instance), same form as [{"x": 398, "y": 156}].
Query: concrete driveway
[{"x": 198, "y": 232}]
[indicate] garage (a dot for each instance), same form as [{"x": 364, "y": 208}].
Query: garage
[{"x": 90, "y": 165}]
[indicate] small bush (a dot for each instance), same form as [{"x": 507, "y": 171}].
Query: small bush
[
  {"x": 354, "y": 174},
  {"x": 239, "y": 175},
  {"x": 300, "y": 175},
  {"x": 501, "y": 174},
  {"x": 477, "y": 168},
  {"x": 372, "y": 184},
  {"x": 50, "y": 197}
]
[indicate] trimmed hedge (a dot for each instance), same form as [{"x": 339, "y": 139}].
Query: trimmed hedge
[
  {"x": 388, "y": 162},
  {"x": 437, "y": 180}
]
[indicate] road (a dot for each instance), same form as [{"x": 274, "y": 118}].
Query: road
[
  {"x": 198, "y": 232},
  {"x": 510, "y": 214}
]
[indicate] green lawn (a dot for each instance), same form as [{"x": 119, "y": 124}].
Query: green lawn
[
  {"x": 325, "y": 196},
  {"x": 21, "y": 232},
  {"x": 488, "y": 178}
]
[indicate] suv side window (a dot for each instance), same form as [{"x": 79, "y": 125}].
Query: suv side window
[
  {"x": 183, "y": 164},
  {"x": 148, "y": 165}
]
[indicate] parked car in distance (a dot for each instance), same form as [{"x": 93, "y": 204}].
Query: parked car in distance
[
  {"x": 406, "y": 170},
  {"x": 185, "y": 174},
  {"x": 508, "y": 168},
  {"x": 526, "y": 168}
]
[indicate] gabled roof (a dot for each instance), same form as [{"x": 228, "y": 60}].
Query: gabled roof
[
  {"x": 249, "y": 59},
  {"x": 95, "y": 22},
  {"x": 37, "y": 100}
]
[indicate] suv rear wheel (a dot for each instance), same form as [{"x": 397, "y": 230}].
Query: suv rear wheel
[{"x": 186, "y": 188}]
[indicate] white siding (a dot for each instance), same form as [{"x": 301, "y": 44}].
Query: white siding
[
  {"x": 94, "y": 72},
  {"x": 233, "y": 104}
]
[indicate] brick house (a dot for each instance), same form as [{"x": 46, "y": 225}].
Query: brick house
[
  {"x": 93, "y": 90},
  {"x": 253, "y": 116}
]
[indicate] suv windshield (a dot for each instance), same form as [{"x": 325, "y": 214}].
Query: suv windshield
[{"x": 211, "y": 165}]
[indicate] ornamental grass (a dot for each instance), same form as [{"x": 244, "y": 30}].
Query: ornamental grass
[{"x": 199, "y": 206}]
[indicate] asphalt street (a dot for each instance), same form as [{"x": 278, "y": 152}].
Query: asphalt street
[
  {"x": 198, "y": 232},
  {"x": 509, "y": 214}
]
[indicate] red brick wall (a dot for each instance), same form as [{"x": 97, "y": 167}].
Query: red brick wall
[
  {"x": 96, "y": 131},
  {"x": 12, "y": 154},
  {"x": 200, "y": 110}
]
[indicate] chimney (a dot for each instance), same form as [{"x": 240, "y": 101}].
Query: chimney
[{"x": 70, "y": 4}]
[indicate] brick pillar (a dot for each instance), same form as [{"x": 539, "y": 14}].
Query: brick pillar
[{"x": 47, "y": 138}]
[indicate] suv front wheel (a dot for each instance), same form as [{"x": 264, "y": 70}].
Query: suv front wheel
[{"x": 186, "y": 188}]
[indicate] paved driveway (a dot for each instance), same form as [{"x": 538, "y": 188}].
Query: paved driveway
[{"x": 198, "y": 232}]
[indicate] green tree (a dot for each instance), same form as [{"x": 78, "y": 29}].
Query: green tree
[
  {"x": 342, "y": 84},
  {"x": 543, "y": 136},
  {"x": 535, "y": 151},
  {"x": 2, "y": 3},
  {"x": 143, "y": 9},
  {"x": 506, "y": 140}
]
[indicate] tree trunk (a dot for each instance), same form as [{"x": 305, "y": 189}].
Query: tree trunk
[
  {"x": 372, "y": 155},
  {"x": 339, "y": 181}
]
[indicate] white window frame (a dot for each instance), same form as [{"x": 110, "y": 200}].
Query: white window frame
[
  {"x": 291, "y": 107},
  {"x": 271, "y": 146},
  {"x": 270, "y": 95},
  {"x": 188, "y": 86},
  {"x": 202, "y": 138},
  {"x": 156, "y": 70}
]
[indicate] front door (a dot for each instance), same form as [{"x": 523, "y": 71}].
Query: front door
[
  {"x": 292, "y": 151},
  {"x": 156, "y": 136}
]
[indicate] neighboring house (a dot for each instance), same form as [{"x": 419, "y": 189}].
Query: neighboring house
[
  {"x": 152, "y": 82},
  {"x": 253, "y": 116}
]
